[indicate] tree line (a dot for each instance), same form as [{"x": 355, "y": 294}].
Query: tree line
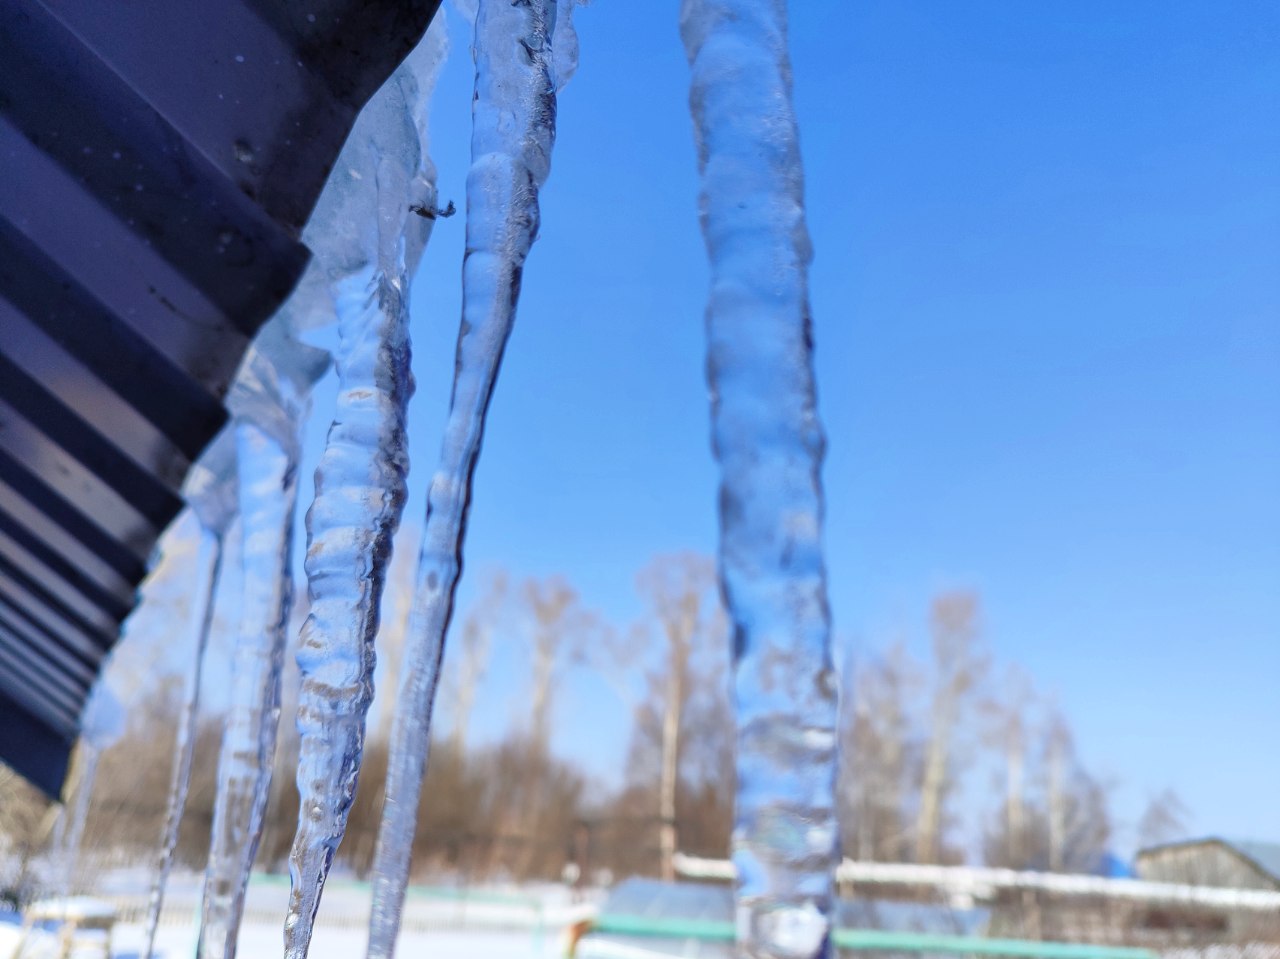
[{"x": 945, "y": 758}]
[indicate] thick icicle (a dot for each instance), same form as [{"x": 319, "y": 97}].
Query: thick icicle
[
  {"x": 268, "y": 399},
  {"x": 387, "y": 185},
  {"x": 211, "y": 493},
  {"x": 769, "y": 442},
  {"x": 513, "y": 131}
]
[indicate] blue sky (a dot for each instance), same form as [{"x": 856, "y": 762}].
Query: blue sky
[{"x": 1046, "y": 292}]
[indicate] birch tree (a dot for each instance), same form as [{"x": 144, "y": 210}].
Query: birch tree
[
  {"x": 881, "y": 756},
  {"x": 559, "y": 626},
  {"x": 678, "y": 588},
  {"x": 1008, "y": 732},
  {"x": 959, "y": 668},
  {"x": 478, "y": 628}
]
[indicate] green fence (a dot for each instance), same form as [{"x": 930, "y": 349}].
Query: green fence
[{"x": 873, "y": 940}]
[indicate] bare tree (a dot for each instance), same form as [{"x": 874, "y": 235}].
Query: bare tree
[
  {"x": 959, "y": 667},
  {"x": 1058, "y": 748},
  {"x": 1071, "y": 830},
  {"x": 25, "y": 819},
  {"x": 561, "y": 633},
  {"x": 559, "y": 626},
  {"x": 476, "y": 641},
  {"x": 1164, "y": 820},
  {"x": 880, "y": 756},
  {"x": 679, "y": 590},
  {"x": 1008, "y": 733},
  {"x": 397, "y": 606}
]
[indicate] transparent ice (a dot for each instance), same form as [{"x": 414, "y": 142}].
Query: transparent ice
[
  {"x": 211, "y": 493},
  {"x": 380, "y": 204},
  {"x": 513, "y": 130},
  {"x": 71, "y": 831},
  {"x": 769, "y": 443},
  {"x": 268, "y": 400},
  {"x": 102, "y": 722}
]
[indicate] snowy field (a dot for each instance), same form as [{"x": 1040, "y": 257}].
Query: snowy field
[
  {"x": 264, "y": 942},
  {"x": 526, "y": 923}
]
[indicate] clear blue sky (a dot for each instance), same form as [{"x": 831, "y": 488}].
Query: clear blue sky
[{"x": 1046, "y": 298}]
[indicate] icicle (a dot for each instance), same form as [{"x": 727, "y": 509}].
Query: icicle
[
  {"x": 75, "y": 816},
  {"x": 512, "y": 135},
  {"x": 268, "y": 400},
  {"x": 769, "y": 442},
  {"x": 360, "y": 481},
  {"x": 564, "y": 44},
  {"x": 101, "y": 724},
  {"x": 211, "y": 493}
]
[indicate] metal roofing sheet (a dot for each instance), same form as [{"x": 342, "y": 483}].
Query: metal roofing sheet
[{"x": 158, "y": 160}]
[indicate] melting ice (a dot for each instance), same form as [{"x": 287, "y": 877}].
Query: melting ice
[
  {"x": 268, "y": 401},
  {"x": 211, "y": 494},
  {"x": 101, "y": 723},
  {"x": 367, "y": 241},
  {"x": 513, "y": 131},
  {"x": 368, "y": 237},
  {"x": 771, "y": 565}
]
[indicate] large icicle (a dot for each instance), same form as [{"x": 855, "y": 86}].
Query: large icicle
[
  {"x": 769, "y": 442},
  {"x": 513, "y": 131},
  {"x": 211, "y": 492},
  {"x": 268, "y": 399},
  {"x": 385, "y": 184}
]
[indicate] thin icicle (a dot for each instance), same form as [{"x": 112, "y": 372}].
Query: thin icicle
[
  {"x": 76, "y": 815},
  {"x": 211, "y": 493},
  {"x": 360, "y": 481},
  {"x": 769, "y": 442},
  {"x": 268, "y": 487},
  {"x": 513, "y": 132},
  {"x": 564, "y": 44},
  {"x": 101, "y": 724},
  {"x": 269, "y": 399}
]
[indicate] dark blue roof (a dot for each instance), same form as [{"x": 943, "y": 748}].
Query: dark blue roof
[{"x": 147, "y": 230}]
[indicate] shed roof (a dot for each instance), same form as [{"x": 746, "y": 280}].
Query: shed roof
[{"x": 1265, "y": 856}]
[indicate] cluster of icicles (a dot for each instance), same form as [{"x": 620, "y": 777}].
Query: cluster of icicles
[{"x": 367, "y": 235}]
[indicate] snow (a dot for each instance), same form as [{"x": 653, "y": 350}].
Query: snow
[
  {"x": 262, "y": 940},
  {"x": 442, "y": 923},
  {"x": 79, "y": 908},
  {"x": 265, "y": 941}
]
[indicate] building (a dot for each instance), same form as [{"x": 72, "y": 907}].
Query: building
[{"x": 1223, "y": 863}]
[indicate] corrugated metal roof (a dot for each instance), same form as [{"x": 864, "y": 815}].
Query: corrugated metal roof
[{"x": 159, "y": 161}]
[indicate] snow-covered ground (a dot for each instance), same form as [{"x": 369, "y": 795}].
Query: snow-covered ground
[
  {"x": 260, "y": 941},
  {"x": 264, "y": 942},
  {"x": 493, "y": 923}
]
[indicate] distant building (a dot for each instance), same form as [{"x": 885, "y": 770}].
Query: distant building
[{"x": 1223, "y": 863}]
